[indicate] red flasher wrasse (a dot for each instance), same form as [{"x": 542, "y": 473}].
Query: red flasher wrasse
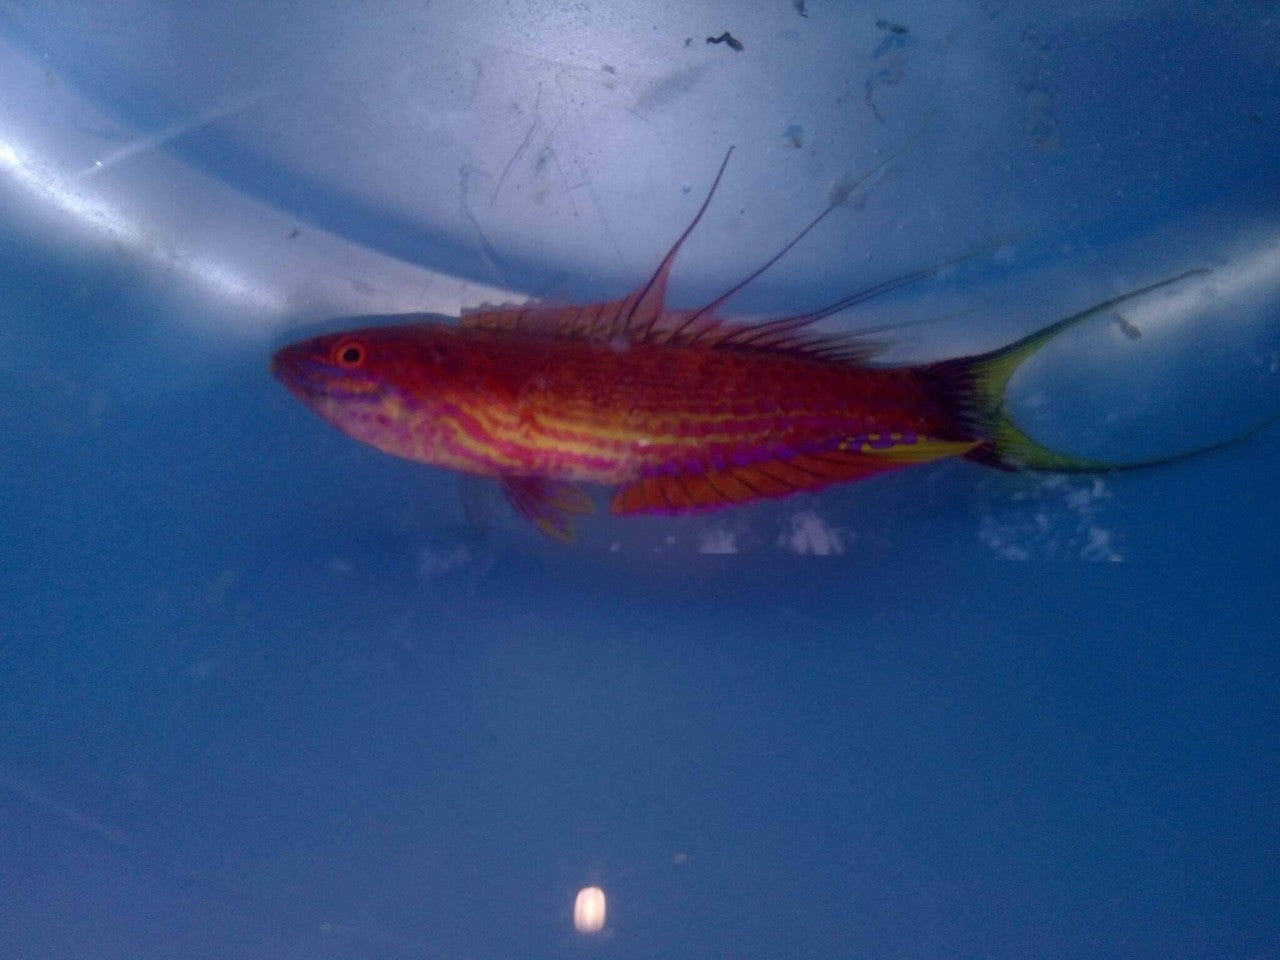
[{"x": 679, "y": 410}]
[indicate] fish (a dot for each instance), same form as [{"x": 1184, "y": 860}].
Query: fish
[{"x": 677, "y": 410}]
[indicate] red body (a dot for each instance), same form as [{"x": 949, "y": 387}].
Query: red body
[{"x": 679, "y": 410}]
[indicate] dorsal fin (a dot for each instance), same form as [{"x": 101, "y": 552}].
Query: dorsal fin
[
  {"x": 642, "y": 316},
  {"x": 599, "y": 320},
  {"x": 603, "y": 320}
]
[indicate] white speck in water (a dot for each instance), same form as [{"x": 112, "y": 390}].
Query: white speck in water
[
  {"x": 718, "y": 540},
  {"x": 1056, "y": 517},
  {"x": 809, "y": 533},
  {"x": 435, "y": 563},
  {"x": 589, "y": 910}
]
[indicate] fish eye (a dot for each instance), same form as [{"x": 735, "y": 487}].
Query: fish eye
[{"x": 348, "y": 353}]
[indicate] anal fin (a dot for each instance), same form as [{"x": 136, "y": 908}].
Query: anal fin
[{"x": 691, "y": 492}]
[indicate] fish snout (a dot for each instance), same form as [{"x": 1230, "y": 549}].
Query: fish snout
[{"x": 294, "y": 367}]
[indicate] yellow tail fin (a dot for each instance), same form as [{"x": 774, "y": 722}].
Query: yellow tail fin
[{"x": 975, "y": 388}]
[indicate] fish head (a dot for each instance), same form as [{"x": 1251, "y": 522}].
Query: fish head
[{"x": 381, "y": 385}]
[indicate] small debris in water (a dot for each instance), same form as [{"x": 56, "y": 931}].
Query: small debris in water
[
  {"x": 889, "y": 64},
  {"x": 1127, "y": 328},
  {"x": 727, "y": 37},
  {"x": 794, "y": 135},
  {"x": 840, "y": 193},
  {"x": 799, "y": 5}
]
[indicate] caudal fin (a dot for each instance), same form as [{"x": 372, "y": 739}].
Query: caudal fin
[{"x": 975, "y": 389}]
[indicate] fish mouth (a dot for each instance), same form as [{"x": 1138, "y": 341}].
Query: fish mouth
[
  {"x": 285, "y": 368},
  {"x": 304, "y": 378},
  {"x": 276, "y": 367}
]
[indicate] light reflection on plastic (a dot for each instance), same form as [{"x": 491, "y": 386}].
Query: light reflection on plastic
[
  {"x": 171, "y": 132},
  {"x": 115, "y": 224},
  {"x": 588, "y": 910},
  {"x": 1248, "y": 272}
]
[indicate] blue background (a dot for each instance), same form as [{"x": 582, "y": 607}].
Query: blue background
[{"x": 267, "y": 693}]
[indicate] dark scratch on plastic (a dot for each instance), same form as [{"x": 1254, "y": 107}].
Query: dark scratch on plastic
[{"x": 537, "y": 102}]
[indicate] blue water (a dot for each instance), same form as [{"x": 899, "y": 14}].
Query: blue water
[{"x": 267, "y": 693}]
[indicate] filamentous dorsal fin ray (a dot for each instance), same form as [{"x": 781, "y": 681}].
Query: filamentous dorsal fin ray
[
  {"x": 838, "y": 197},
  {"x": 651, "y": 299},
  {"x": 639, "y": 317}
]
